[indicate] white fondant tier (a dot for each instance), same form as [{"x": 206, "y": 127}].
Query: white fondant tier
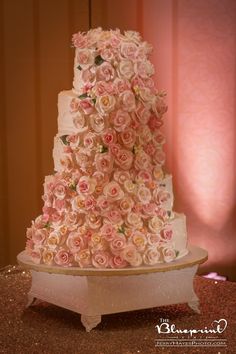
[{"x": 180, "y": 234}]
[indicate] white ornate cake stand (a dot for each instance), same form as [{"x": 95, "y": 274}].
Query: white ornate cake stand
[{"x": 95, "y": 292}]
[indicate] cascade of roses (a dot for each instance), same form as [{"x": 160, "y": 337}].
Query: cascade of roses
[{"x": 105, "y": 208}]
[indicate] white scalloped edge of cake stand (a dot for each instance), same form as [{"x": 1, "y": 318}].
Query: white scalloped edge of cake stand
[{"x": 96, "y": 292}]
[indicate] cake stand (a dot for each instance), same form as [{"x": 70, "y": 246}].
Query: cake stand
[{"x": 95, "y": 292}]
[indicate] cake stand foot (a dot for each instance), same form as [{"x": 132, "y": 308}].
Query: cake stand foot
[
  {"x": 32, "y": 300},
  {"x": 194, "y": 305},
  {"x": 89, "y": 322}
]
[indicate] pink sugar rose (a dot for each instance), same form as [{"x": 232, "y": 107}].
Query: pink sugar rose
[
  {"x": 87, "y": 105},
  {"x": 79, "y": 40},
  {"x": 166, "y": 234},
  {"x": 114, "y": 41},
  {"x": 134, "y": 220},
  {"x": 126, "y": 205},
  {"x": 159, "y": 138},
  {"x": 75, "y": 242},
  {"x": 155, "y": 224},
  {"x": 150, "y": 149},
  {"x": 151, "y": 256},
  {"x": 73, "y": 140},
  {"x": 108, "y": 231},
  {"x": 147, "y": 95},
  {"x": 59, "y": 191},
  {"x": 84, "y": 57},
  {"x": 114, "y": 216},
  {"x": 144, "y": 134},
  {"x": 105, "y": 72},
  {"x": 115, "y": 149},
  {"x": 124, "y": 159},
  {"x": 86, "y": 185},
  {"x": 97, "y": 123},
  {"x": 72, "y": 219},
  {"x": 121, "y": 85},
  {"x": 144, "y": 176},
  {"x": 77, "y": 204},
  {"x": 154, "y": 122},
  {"x": 63, "y": 258},
  {"x": 100, "y": 259},
  {"x": 39, "y": 222},
  {"x": 83, "y": 257},
  {"x": 168, "y": 254},
  {"x": 128, "y": 137},
  {"x": 100, "y": 88},
  {"x": 60, "y": 204},
  {"x": 103, "y": 203},
  {"x": 104, "y": 162},
  {"x": 74, "y": 105},
  {"x": 144, "y": 195},
  {"x": 160, "y": 107},
  {"x": 36, "y": 256},
  {"x": 88, "y": 76},
  {"x": 143, "y": 68},
  {"x": 133, "y": 36},
  {"x": 118, "y": 262},
  {"x": 127, "y": 101},
  {"x": 126, "y": 69},
  {"x": 101, "y": 178},
  {"x": 107, "y": 54},
  {"x": 159, "y": 157},
  {"x": 56, "y": 217},
  {"x": 105, "y": 104},
  {"x": 142, "y": 161},
  {"x": 161, "y": 196},
  {"x": 113, "y": 191},
  {"x": 149, "y": 209},
  {"x": 120, "y": 120},
  {"x": 82, "y": 159},
  {"x": 48, "y": 256},
  {"x": 161, "y": 213},
  {"x": 121, "y": 176},
  {"x": 143, "y": 113},
  {"x": 90, "y": 203},
  {"x": 109, "y": 136},
  {"x": 38, "y": 236},
  {"x": 89, "y": 140},
  {"x": 130, "y": 254},
  {"x": 117, "y": 244},
  {"x": 128, "y": 50},
  {"x": 153, "y": 239}
]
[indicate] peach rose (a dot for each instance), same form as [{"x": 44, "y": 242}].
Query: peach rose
[
  {"x": 144, "y": 176},
  {"x": 97, "y": 123},
  {"x": 126, "y": 204},
  {"x": 155, "y": 224},
  {"x": 108, "y": 231},
  {"x": 83, "y": 257},
  {"x": 154, "y": 123},
  {"x": 120, "y": 120},
  {"x": 77, "y": 204},
  {"x": 75, "y": 242},
  {"x": 126, "y": 69},
  {"x": 149, "y": 209},
  {"x": 124, "y": 159},
  {"x": 63, "y": 258},
  {"x": 142, "y": 161},
  {"x": 103, "y": 203},
  {"x": 114, "y": 216},
  {"x": 134, "y": 220},
  {"x": 127, "y": 101},
  {"x": 158, "y": 173},
  {"x": 128, "y": 137},
  {"x": 93, "y": 220},
  {"x": 104, "y": 162},
  {"x": 130, "y": 187},
  {"x": 121, "y": 176},
  {"x": 48, "y": 256},
  {"x": 100, "y": 259},
  {"x": 53, "y": 240},
  {"x": 105, "y": 72},
  {"x": 113, "y": 191},
  {"x": 151, "y": 256},
  {"x": 139, "y": 240},
  {"x": 131, "y": 255},
  {"x": 144, "y": 135},
  {"x": 144, "y": 195},
  {"x": 105, "y": 104}
]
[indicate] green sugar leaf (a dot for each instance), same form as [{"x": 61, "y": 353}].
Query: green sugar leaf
[
  {"x": 63, "y": 139},
  {"x": 98, "y": 60},
  {"x": 79, "y": 67},
  {"x": 84, "y": 95}
]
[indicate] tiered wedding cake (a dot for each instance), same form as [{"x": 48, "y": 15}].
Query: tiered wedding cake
[{"x": 109, "y": 203}]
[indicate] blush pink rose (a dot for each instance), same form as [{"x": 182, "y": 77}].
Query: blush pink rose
[
  {"x": 87, "y": 105},
  {"x": 79, "y": 40},
  {"x": 143, "y": 113},
  {"x": 168, "y": 254},
  {"x": 161, "y": 196},
  {"x": 144, "y": 195},
  {"x": 105, "y": 72},
  {"x": 107, "y": 54},
  {"x": 86, "y": 185},
  {"x": 84, "y": 57},
  {"x": 118, "y": 262},
  {"x": 88, "y": 77},
  {"x": 103, "y": 203},
  {"x": 36, "y": 256},
  {"x": 127, "y": 101},
  {"x": 89, "y": 140},
  {"x": 128, "y": 50},
  {"x": 75, "y": 242},
  {"x": 126, "y": 205},
  {"x": 166, "y": 234},
  {"x": 105, "y": 104},
  {"x": 159, "y": 157},
  {"x": 143, "y": 68},
  {"x": 154, "y": 122},
  {"x": 159, "y": 138},
  {"x": 121, "y": 176},
  {"x": 108, "y": 231},
  {"x": 97, "y": 122},
  {"x": 113, "y": 191},
  {"x": 63, "y": 258},
  {"x": 126, "y": 69},
  {"x": 142, "y": 161},
  {"x": 74, "y": 105},
  {"x": 120, "y": 120},
  {"x": 144, "y": 176},
  {"x": 150, "y": 149},
  {"x": 59, "y": 191},
  {"x": 90, "y": 203},
  {"x": 38, "y": 236},
  {"x": 153, "y": 239},
  {"x": 100, "y": 259},
  {"x": 131, "y": 255},
  {"x": 115, "y": 149},
  {"x": 104, "y": 162},
  {"x": 114, "y": 216},
  {"x": 149, "y": 209},
  {"x": 124, "y": 159},
  {"x": 117, "y": 244},
  {"x": 121, "y": 85}
]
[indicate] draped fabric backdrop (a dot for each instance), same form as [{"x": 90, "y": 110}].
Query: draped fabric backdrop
[{"x": 194, "y": 55}]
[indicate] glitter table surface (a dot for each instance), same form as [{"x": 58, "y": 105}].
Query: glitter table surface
[{"x": 47, "y": 329}]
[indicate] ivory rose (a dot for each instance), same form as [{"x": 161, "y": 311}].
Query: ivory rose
[
  {"x": 128, "y": 50},
  {"x": 105, "y": 104},
  {"x": 143, "y": 68},
  {"x": 74, "y": 105},
  {"x": 97, "y": 122},
  {"x": 126, "y": 204},
  {"x": 131, "y": 255},
  {"x": 159, "y": 157},
  {"x": 134, "y": 220},
  {"x": 155, "y": 224},
  {"x": 168, "y": 254},
  {"x": 144, "y": 195},
  {"x": 153, "y": 239},
  {"x": 126, "y": 69},
  {"x": 151, "y": 256}
]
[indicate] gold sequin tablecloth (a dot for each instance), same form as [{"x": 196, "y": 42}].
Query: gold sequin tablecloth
[{"x": 48, "y": 329}]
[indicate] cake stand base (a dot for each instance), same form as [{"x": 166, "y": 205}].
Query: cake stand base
[{"x": 95, "y": 292}]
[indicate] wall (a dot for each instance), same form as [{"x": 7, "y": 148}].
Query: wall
[{"x": 194, "y": 54}]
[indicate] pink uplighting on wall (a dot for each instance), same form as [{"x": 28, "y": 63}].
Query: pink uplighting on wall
[{"x": 195, "y": 51}]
